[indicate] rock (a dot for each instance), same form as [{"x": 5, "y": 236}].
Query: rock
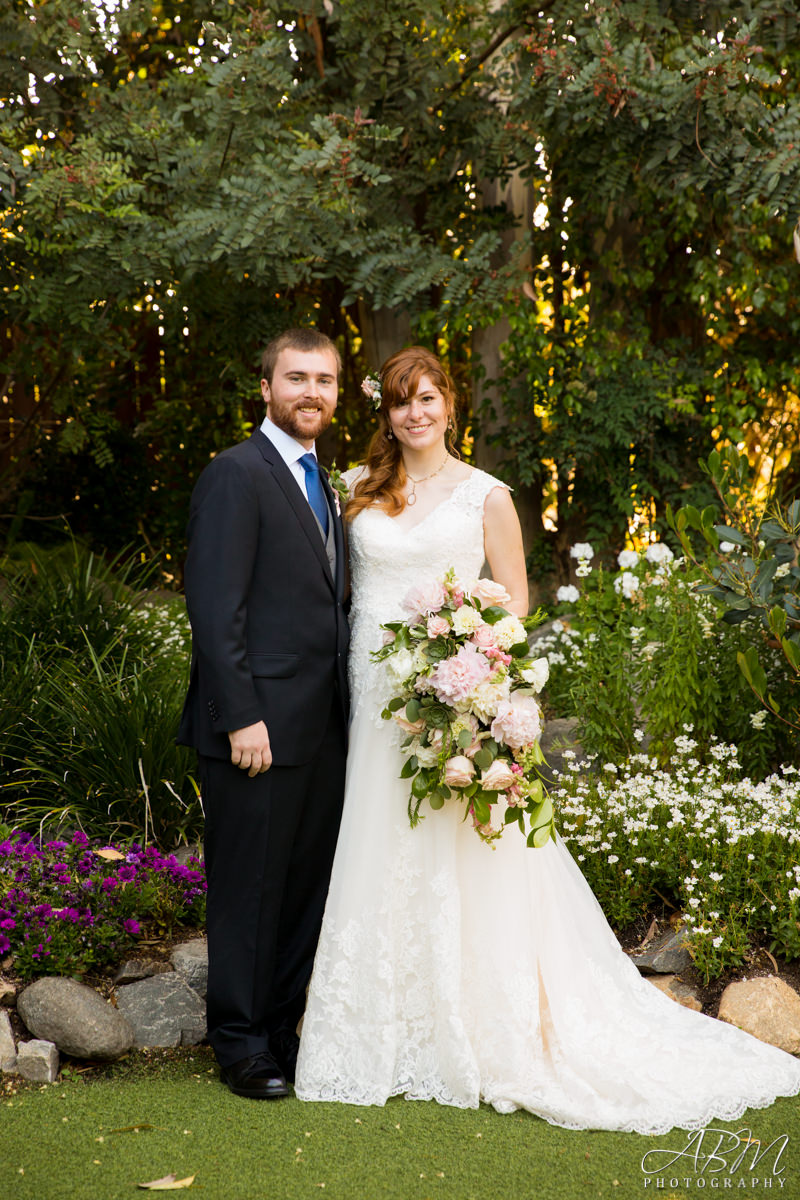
[
  {"x": 140, "y": 968},
  {"x": 37, "y": 1061},
  {"x": 164, "y": 1011},
  {"x": 8, "y": 1049},
  {"x": 671, "y": 986},
  {"x": 558, "y": 736},
  {"x": 8, "y": 993},
  {"x": 184, "y": 853},
  {"x": 767, "y": 1008},
  {"x": 190, "y": 959},
  {"x": 667, "y": 955},
  {"x": 75, "y": 1017}
]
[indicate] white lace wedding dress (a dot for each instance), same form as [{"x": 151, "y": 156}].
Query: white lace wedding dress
[{"x": 450, "y": 971}]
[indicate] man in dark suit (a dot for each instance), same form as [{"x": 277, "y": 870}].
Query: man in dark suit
[{"x": 267, "y": 710}]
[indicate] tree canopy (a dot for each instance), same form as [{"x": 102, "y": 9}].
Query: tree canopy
[{"x": 603, "y": 193}]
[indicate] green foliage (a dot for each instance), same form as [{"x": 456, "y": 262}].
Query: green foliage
[
  {"x": 750, "y": 560},
  {"x": 647, "y": 654},
  {"x": 93, "y": 680}
]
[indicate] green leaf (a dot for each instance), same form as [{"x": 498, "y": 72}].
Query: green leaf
[
  {"x": 410, "y": 767},
  {"x": 396, "y": 704},
  {"x": 464, "y": 739},
  {"x": 484, "y": 758},
  {"x": 436, "y": 799},
  {"x": 494, "y": 613},
  {"x": 727, "y": 533},
  {"x": 413, "y": 710}
]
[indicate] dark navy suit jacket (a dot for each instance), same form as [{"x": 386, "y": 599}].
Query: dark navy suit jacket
[{"x": 269, "y": 628}]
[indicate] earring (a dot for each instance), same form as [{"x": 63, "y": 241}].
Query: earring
[
  {"x": 451, "y": 427},
  {"x": 389, "y": 435}
]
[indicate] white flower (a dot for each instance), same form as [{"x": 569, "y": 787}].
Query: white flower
[
  {"x": 568, "y": 594},
  {"x": 727, "y": 547},
  {"x": 783, "y": 570},
  {"x": 400, "y": 666},
  {"x": 757, "y": 719},
  {"x": 466, "y": 619},
  {"x": 627, "y": 583},
  {"x": 627, "y": 559},
  {"x": 717, "y": 942},
  {"x": 509, "y": 631},
  {"x": 487, "y": 697},
  {"x": 658, "y": 552},
  {"x": 612, "y": 858},
  {"x": 558, "y": 627},
  {"x": 537, "y": 673},
  {"x": 582, "y": 550},
  {"x": 639, "y": 735}
]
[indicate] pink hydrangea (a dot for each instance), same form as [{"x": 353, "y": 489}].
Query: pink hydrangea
[
  {"x": 455, "y": 678},
  {"x": 424, "y": 599},
  {"x": 518, "y": 722}
]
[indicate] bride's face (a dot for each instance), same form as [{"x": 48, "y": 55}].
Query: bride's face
[{"x": 420, "y": 421}]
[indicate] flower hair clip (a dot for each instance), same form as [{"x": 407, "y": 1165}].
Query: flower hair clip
[{"x": 371, "y": 387}]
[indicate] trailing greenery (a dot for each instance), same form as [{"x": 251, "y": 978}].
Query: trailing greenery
[{"x": 94, "y": 675}]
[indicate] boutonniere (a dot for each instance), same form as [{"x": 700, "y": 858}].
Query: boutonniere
[{"x": 341, "y": 492}]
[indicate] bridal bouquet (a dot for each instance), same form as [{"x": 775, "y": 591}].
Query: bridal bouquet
[{"x": 466, "y": 700}]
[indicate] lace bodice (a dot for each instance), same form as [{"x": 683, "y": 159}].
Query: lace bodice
[{"x": 387, "y": 559}]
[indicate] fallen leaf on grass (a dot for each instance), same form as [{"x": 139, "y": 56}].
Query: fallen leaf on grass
[
  {"x": 168, "y": 1184},
  {"x": 132, "y": 1128},
  {"x": 109, "y": 853}
]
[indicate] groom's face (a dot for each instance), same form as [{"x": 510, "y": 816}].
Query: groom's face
[{"x": 301, "y": 399}]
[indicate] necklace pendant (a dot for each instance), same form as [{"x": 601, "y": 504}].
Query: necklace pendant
[{"x": 412, "y": 499}]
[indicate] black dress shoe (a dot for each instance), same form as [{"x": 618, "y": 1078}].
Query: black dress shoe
[
  {"x": 284, "y": 1046},
  {"x": 258, "y": 1077}
]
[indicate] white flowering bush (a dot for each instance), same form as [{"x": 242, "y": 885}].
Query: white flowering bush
[
  {"x": 645, "y": 647},
  {"x": 722, "y": 848}
]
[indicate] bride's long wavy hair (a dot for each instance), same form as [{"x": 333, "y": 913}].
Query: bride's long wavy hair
[{"x": 384, "y": 479}]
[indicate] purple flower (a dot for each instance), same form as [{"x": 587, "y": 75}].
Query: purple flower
[
  {"x": 79, "y": 838},
  {"x": 67, "y": 914},
  {"x": 5, "y": 944},
  {"x": 8, "y": 923},
  {"x": 131, "y": 926},
  {"x": 126, "y": 872},
  {"x": 109, "y": 883}
]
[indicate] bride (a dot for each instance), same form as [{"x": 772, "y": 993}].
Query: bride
[{"x": 448, "y": 970}]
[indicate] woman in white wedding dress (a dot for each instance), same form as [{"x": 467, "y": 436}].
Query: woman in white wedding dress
[{"x": 448, "y": 970}]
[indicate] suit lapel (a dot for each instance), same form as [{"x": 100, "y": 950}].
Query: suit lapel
[{"x": 297, "y": 501}]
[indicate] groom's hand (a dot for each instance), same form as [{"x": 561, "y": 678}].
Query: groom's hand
[{"x": 250, "y": 749}]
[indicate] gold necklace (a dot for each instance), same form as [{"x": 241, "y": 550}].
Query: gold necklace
[{"x": 411, "y": 499}]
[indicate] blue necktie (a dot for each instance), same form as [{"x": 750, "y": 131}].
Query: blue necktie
[{"x": 316, "y": 496}]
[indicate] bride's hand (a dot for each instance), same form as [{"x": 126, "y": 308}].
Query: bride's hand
[{"x": 250, "y": 748}]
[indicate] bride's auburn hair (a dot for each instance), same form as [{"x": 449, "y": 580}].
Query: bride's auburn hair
[{"x": 383, "y": 480}]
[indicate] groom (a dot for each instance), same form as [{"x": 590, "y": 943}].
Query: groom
[{"x": 266, "y": 710}]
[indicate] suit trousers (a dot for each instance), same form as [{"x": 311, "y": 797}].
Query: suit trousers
[{"x": 269, "y": 847}]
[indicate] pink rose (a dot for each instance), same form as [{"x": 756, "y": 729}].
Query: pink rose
[
  {"x": 424, "y": 599},
  {"x": 435, "y": 740},
  {"x": 389, "y": 636},
  {"x": 456, "y": 677},
  {"x": 498, "y": 776},
  {"x": 458, "y": 771},
  {"x": 409, "y": 726},
  {"x": 489, "y": 592},
  {"x": 437, "y": 627},
  {"x": 518, "y": 722},
  {"x": 483, "y": 637}
]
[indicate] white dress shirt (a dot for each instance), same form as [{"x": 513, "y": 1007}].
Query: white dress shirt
[{"x": 290, "y": 451}]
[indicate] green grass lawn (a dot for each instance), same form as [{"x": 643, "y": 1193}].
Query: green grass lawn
[{"x": 97, "y": 1137}]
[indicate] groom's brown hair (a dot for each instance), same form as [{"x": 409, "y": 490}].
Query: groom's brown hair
[{"x": 297, "y": 339}]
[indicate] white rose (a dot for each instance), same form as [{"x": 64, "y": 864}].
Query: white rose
[
  {"x": 627, "y": 559},
  {"x": 537, "y": 673},
  {"x": 658, "y": 553},
  {"x": 582, "y": 550},
  {"x": 627, "y": 583}
]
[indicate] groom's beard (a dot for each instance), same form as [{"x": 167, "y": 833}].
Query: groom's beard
[{"x": 301, "y": 426}]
